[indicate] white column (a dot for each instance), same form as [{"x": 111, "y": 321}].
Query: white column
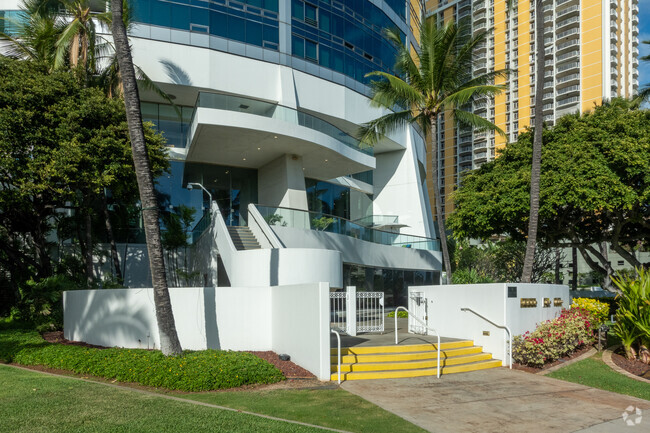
[{"x": 351, "y": 311}]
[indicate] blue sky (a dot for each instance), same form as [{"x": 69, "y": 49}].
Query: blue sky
[{"x": 644, "y": 35}]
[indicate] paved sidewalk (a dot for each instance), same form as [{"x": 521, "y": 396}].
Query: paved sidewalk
[{"x": 502, "y": 400}]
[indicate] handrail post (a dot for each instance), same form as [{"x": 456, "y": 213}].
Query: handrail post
[
  {"x": 426, "y": 326},
  {"x": 338, "y": 338}
]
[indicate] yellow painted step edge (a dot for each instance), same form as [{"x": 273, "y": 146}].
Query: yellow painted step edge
[
  {"x": 397, "y": 348},
  {"x": 413, "y": 356},
  {"x": 430, "y": 363},
  {"x": 399, "y": 374}
]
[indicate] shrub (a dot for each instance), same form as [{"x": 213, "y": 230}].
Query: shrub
[
  {"x": 599, "y": 310},
  {"x": 633, "y": 314},
  {"x": 470, "y": 276},
  {"x": 401, "y": 314},
  {"x": 40, "y": 302},
  {"x": 554, "y": 338},
  {"x": 192, "y": 371}
]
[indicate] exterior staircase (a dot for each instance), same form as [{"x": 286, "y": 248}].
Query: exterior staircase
[
  {"x": 393, "y": 362},
  {"x": 243, "y": 238}
]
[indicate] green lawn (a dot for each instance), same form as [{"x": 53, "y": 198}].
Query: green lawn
[
  {"x": 333, "y": 408},
  {"x": 33, "y": 402},
  {"x": 595, "y": 373}
]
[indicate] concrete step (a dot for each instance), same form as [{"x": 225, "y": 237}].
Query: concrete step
[
  {"x": 364, "y": 350},
  {"x": 398, "y": 374},
  {"x": 413, "y": 365},
  {"x": 406, "y": 356},
  {"x": 243, "y": 238}
]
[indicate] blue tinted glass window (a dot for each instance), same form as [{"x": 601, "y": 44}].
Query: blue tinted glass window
[
  {"x": 297, "y": 9},
  {"x": 218, "y": 24},
  {"x": 311, "y": 50},
  {"x": 258, "y": 3},
  {"x": 297, "y": 46},
  {"x": 324, "y": 20},
  {"x": 310, "y": 14},
  {"x": 140, "y": 10},
  {"x": 337, "y": 61},
  {"x": 254, "y": 33},
  {"x": 324, "y": 56},
  {"x": 271, "y": 5},
  {"x": 236, "y": 28},
  {"x": 180, "y": 17},
  {"x": 200, "y": 16},
  {"x": 160, "y": 14},
  {"x": 271, "y": 34}
]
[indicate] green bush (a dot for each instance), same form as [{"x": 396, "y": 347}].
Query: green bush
[
  {"x": 401, "y": 314},
  {"x": 633, "y": 315},
  {"x": 192, "y": 371},
  {"x": 599, "y": 310},
  {"x": 470, "y": 276},
  {"x": 40, "y": 302},
  {"x": 554, "y": 338}
]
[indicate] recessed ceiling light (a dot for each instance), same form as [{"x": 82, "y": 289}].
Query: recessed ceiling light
[
  {"x": 275, "y": 136},
  {"x": 243, "y": 159},
  {"x": 259, "y": 148},
  {"x": 325, "y": 160}
]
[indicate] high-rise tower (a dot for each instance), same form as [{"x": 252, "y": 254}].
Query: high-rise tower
[{"x": 591, "y": 55}]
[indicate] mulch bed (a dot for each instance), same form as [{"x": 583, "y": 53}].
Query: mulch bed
[
  {"x": 635, "y": 367},
  {"x": 288, "y": 368},
  {"x": 530, "y": 369}
]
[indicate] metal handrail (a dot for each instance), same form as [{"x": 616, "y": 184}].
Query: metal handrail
[
  {"x": 338, "y": 338},
  {"x": 498, "y": 326},
  {"x": 427, "y": 326}
]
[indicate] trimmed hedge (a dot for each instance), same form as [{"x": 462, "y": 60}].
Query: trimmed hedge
[{"x": 192, "y": 371}]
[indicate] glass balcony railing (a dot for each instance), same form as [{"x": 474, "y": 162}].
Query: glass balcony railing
[
  {"x": 275, "y": 111},
  {"x": 308, "y": 220}
]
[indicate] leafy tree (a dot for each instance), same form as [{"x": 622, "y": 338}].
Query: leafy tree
[
  {"x": 436, "y": 79},
  {"x": 595, "y": 186},
  {"x": 169, "y": 342}
]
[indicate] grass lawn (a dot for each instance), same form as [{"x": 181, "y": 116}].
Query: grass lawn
[
  {"x": 33, "y": 402},
  {"x": 595, "y": 373},
  {"x": 333, "y": 408}
]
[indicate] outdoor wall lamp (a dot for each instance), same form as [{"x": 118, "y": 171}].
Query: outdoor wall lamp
[{"x": 191, "y": 185}]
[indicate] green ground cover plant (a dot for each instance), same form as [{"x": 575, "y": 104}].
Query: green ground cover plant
[
  {"x": 192, "y": 371},
  {"x": 554, "y": 338},
  {"x": 401, "y": 314},
  {"x": 595, "y": 373},
  {"x": 33, "y": 402}
]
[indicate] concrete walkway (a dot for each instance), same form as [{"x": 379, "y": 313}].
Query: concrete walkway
[{"x": 502, "y": 400}]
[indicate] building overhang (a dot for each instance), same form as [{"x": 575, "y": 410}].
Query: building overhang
[{"x": 247, "y": 140}]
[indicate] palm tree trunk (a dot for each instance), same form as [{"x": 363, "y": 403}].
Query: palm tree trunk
[
  {"x": 169, "y": 343},
  {"x": 535, "y": 172},
  {"x": 436, "y": 193},
  {"x": 89, "y": 248},
  {"x": 111, "y": 241}
]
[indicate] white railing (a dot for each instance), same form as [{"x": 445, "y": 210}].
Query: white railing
[
  {"x": 338, "y": 347},
  {"x": 225, "y": 245},
  {"x": 428, "y": 327},
  {"x": 504, "y": 327},
  {"x": 338, "y": 310}
]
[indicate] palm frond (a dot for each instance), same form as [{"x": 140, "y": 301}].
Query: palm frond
[
  {"x": 392, "y": 90},
  {"x": 477, "y": 122},
  {"x": 370, "y": 133},
  {"x": 148, "y": 84},
  {"x": 467, "y": 94}
]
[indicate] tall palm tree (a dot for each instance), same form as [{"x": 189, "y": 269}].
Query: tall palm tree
[
  {"x": 169, "y": 343},
  {"x": 436, "y": 79},
  {"x": 535, "y": 173}
]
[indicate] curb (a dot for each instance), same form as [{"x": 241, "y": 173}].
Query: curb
[
  {"x": 591, "y": 352},
  {"x": 607, "y": 358}
]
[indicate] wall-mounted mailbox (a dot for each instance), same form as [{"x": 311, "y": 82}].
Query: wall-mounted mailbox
[
  {"x": 528, "y": 303},
  {"x": 558, "y": 302},
  {"x": 486, "y": 333},
  {"x": 547, "y": 302}
]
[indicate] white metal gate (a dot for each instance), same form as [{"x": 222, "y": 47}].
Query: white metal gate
[
  {"x": 418, "y": 307},
  {"x": 364, "y": 314}
]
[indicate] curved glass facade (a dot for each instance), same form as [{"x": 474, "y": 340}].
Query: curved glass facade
[{"x": 344, "y": 37}]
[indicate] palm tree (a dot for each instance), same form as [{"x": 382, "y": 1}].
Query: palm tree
[
  {"x": 169, "y": 343},
  {"x": 436, "y": 79},
  {"x": 535, "y": 173},
  {"x": 644, "y": 94}
]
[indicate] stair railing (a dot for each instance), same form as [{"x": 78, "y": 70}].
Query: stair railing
[
  {"x": 504, "y": 327},
  {"x": 338, "y": 338},
  {"x": 425, "y": 325}
]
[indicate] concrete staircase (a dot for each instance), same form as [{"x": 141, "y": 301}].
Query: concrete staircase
[
  {"x": 243, "y": 238},
  {"x": 392, "y": 362}
]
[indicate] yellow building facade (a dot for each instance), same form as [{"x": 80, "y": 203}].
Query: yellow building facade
[{"x": 591, "y": 55}]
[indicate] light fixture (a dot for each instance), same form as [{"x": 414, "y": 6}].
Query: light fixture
[
  {"x": 259, "y": 148},
  {"x": 275, "y": 136},
  {"x": 243, "y": 159},
  {"x": 325, "y": 160},
  {"x": 191, "y": 185}
]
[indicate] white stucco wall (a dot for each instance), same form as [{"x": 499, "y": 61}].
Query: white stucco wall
[
  {"x": 287, "y": 319},
  {"x": 491, "y": 301}
]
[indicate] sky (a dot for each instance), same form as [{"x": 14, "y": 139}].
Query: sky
[{"x": 644, "y": 35}]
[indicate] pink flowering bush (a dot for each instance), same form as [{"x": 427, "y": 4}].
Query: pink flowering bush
[{"x": 554, "y": 338}]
